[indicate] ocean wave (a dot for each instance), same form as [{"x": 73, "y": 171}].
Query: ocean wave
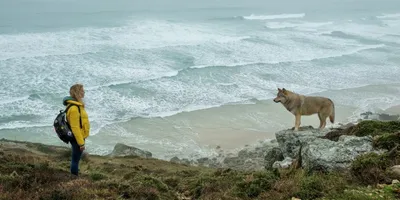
[
  {"x": 194, "y": 108},
  {"x": 260, "y": 40},
  {"x": 301, "y": 25},
  {"x": 393, "y": 35},
  {"x": 23, "y": 124},
  {"x": 126, "y": 82},
  {"x": 383, "y": 40},
  {"x": 350, "y": 52},
  {"x": 341, "y": 34},
  {"x": 225, "y": 65},
  {"x": 389, "y": 16},
  {"x": 13, "y": 100},
  {"x": 366, "y": 97},
  {"x": 271, "y": 17},
  {"x": 101, "y": 48},
  {"x": 235, "y": 65},
  {"x": 147, "y": 34}
]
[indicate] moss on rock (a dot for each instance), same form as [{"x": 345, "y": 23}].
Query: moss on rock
[{"x": 374, "y": 128}]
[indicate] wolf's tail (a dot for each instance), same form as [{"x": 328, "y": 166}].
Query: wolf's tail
[{"x": 332, "y": 116}]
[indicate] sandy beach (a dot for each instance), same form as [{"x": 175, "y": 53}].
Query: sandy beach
[
  {"x": 394, "y": 110},
  {"x": 230, "y": 127}
]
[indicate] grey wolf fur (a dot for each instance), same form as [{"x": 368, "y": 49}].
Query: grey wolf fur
[{"x": 300, "y": 105}]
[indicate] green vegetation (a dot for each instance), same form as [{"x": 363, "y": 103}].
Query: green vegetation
[
  {"x": 387, "y": 141},
  {"x": 373, "y": 168},
  {"x": 37, "y": 171},
  {"x": 374, "y": 128}
]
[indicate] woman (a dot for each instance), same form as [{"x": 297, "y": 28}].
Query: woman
[{"x": 78, "y": 120}]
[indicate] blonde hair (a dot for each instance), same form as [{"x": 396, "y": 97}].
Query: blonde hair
[{"x": 76, "y": 92}]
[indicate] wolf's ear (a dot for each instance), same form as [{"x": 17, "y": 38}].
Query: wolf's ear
[
  {"x": 284, "y": 91},
  {"x": 279, "y": 89}
]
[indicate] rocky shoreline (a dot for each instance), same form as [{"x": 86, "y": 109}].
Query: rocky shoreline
[
  {"x": 309, "y": 148},
  {"x": 357, "y": 161},
  {"x": 330, "y": 149}
]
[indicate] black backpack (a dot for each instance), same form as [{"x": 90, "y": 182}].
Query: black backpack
[{"x": 62, "y": 127}]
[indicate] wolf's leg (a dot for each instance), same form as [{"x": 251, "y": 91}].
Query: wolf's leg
[
  {"x": 297, "y": 122},
  {"x": 323, "y": 125},
  {"x": 321, "y": 121}
]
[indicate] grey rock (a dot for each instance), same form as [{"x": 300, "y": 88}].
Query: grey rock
[
  {"x": 273, "y": 155},
  {"x": 125, "y": 150},
  {"x": 284, "y": 164},
  {"x": 250, "y": 158},
  {"x": 290, "y": 141},
  {"x": 326, "y": 155},
  {"x": 368, "y": 115},
  {"x": 175, "y": 160},
  {"x": 395, "y": 169}
]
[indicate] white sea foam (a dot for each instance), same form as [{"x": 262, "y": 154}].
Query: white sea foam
[
  {"x": 389, "y": 16},
  {"x": 134, "y": 35},
  {"x": 271, "y": 17},
  {"x": 302, "y": 25}
]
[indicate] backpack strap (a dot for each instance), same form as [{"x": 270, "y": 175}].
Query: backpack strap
[{"x": 79, "y": 109}]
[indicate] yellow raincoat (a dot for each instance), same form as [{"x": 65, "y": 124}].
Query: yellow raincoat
[{"x": 73, "y": 120}]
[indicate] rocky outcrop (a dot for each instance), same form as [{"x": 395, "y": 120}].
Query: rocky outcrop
[
  {"x": 316, "y": 151},
  {"x": 253, "y": 158},
  {"x": 290, "y": 141},
  {"x": 312, "y": 149},
  {"x": 125, "y": 150},
  {"x": 309, "y": 148},
  {"x": 327, "y": 155}
]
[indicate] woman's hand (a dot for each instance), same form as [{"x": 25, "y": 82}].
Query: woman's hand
[{"x": 82, "y": 148}]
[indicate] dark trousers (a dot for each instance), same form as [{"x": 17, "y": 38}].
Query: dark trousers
[{"x": 76, "y": 157}]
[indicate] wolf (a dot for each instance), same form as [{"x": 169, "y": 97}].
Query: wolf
[{"x": 300, "y": 105}]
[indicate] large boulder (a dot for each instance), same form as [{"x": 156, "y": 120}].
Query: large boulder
[
  {"x": 326, "y": 155},
  {"x": 290, "y": 141},
  {"x": 252, "y": 158},
  {"x": 125, "y": 150},
  {"x": 321, "y": 150}
]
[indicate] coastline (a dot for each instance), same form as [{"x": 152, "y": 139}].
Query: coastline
[
  {"x": 198, "y": 133},
  {"x": 232, "y": 127}
]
